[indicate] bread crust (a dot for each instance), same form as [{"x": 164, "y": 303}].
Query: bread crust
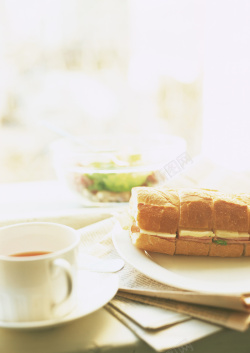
[
  {"x": 157, "y": 210},
  {"x": 196, "y": 210},
  {"x": 153, "y": 243},
  {"x": 245, "y": 198},
  {"x": 229, "y": 250},
  {"x": 230, "y": 214},
  {"x": 194, "y": 248},
  {"x": 247, "y": 250}
]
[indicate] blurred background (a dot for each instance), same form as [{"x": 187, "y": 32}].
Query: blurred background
[{"x": 89, "y": 66}]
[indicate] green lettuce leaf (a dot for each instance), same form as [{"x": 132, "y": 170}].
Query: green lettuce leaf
[
  {"x": 116, "y": 182},
  {"x": 220, "y": 241}
]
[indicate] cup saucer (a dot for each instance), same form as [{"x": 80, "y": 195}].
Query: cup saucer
[{"x": 94, "y": 291}]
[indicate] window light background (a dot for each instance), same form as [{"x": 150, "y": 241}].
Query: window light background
[{"x": 91, "y": 66}]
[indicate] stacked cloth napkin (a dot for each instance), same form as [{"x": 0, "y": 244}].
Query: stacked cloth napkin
[{"x": 147, "y": 307}]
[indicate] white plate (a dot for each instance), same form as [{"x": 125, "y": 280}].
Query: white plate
[
  {"x": 94, "y": 291},
  {"x": 203, "y": 274}
]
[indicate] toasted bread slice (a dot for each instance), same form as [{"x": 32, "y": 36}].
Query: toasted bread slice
[
  {"x": 229, "y": 250},
  {"x": 153, "y": 243},
  {"x": 230, "y": 214},
  {"x": 194, "y": 248},
  {"x": 155, "y": 209},
  {"x": 196, "y": 209}
]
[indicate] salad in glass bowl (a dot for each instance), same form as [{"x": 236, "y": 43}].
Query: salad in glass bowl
[{"x": 104, "y": 169}]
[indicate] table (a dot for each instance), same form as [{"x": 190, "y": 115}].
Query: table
[{"x": 99, "y": 331}]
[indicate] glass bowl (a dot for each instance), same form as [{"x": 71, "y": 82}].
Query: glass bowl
[{"x": 103, "y": 169}]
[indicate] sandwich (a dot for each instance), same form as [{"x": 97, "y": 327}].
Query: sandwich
[
  {"x": 196, "y": 222},
  {"x": 195, "y": 230},
  {"x": 155, "y": 219},
  {"x": 230, "y": 226}
]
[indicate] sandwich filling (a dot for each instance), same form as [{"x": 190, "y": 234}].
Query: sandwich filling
[
  {"x": 168, "y": 236},
  {"x": 159, "y": 234},
  {"x": 225, "y": 234},
  {"x": 231, "y": 237},
  {"x": 196, "y": 235}
]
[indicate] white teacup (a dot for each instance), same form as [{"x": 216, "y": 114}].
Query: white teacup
[{"x": 37, "y": 287}]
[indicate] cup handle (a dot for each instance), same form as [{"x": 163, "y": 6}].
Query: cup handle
[{"x": 66, "y": 268}]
